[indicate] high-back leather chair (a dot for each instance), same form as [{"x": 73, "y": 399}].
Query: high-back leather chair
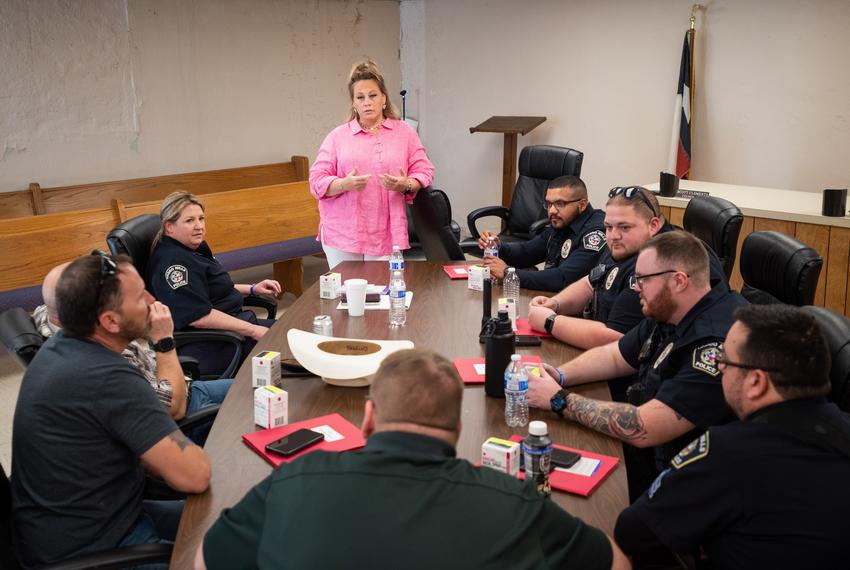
[
  {"x": 779, "y": 269},
  {"x": 836, "y": 330},
  {"x": 19, "y": 335},
  {"x": 431, "y": 213},
  {"x": 134, "y": 238},
  {"x": 717, "y": 222},
  {"x": 538, "y": 166}
]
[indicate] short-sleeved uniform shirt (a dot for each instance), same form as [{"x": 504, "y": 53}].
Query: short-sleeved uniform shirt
[
  {"x": 83, "y": 419},
  {"x": 677, "y": 364},
  {"x": 755, "y": 494},
  {"x": 616, "y": 303},
  {"x": 191, "y": 283},
  {"x": 402, "y": 502},
  {"x": 570, "y": 253}
]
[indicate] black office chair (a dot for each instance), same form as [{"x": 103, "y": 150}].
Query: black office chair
[
  {"x": 437, "y": 240},
  {"x": 779, "y": 269},
  {"x": 836, "y": 330},
  {"x": 717, "y": 222},
  {"x": 538, "y": 165},
  {"x": 134, "y": 238},
  {"x": 435, "y": 216},
  {"x": 123, "y": 557}
]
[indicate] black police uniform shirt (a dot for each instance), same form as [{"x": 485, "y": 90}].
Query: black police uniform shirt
[
  {"x": 615, "y": 302},
  {"x": 761, "y": 493},
  {"x": 677, "y": 364},
  {"x": 191, "y": 283},
  {"x": 569, "y": 253}
]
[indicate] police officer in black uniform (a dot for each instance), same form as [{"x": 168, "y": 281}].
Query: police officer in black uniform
[
  {"x": 570, "y": 245},
  {"x": 769, "y": 491},
  {"x": 183, "y": 274},
  {"x": 673, "y": 351}
]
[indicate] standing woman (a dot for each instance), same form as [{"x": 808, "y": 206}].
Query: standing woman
[{"x": 366, "y": 171}]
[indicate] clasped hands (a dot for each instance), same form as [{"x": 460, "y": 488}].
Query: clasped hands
[{"x": 355, "y": 182}]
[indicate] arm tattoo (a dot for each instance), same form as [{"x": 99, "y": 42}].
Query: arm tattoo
[
  {"x": 180, "y": 439},
  {"x": 618, "y": 420}
]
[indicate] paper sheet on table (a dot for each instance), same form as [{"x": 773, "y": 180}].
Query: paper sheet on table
[
  {"x": 383, "y": 304},
  {"x": 586, "y": 466}
]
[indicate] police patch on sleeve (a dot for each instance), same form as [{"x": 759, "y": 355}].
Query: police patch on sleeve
[
  {"x": 565, "y": 249},
  {"x": 611, "y": 276},
  {"x": 594, "y": 241},
  {"x": 694, "y": 451},
  {"x": 177, "y": 276},
  {"x": 657, "y": 483},
  {"x": 705, "y": 358}
]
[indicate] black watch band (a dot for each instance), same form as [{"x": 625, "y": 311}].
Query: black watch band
[
  {"x": 558, "y": 402},
  {"x": 164, "y": 345},
  {"x": 550, "y": 322}
]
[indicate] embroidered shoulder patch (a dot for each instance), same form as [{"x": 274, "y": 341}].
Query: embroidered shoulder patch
[
  {"x": 611, "y": 276},
  {"x": 694, "y": 451},
  {"x": 565, "y": 249},
  {"x": 177, "y": 276},
  {"x": 594, "y": 241},
  {"x": 657, "y": 483},
  {"x": 705, "y": 358}
]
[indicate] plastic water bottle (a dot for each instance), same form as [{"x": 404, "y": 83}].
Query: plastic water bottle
[
  {"x": 492, "y": 250},
  {"x": 396, "y": 260},
  {"x": 510, "y": 286},
  {"x": 537, "y": 456},
  {"x": 516, "y": 391},
  {"x": 398, "y": 312}
]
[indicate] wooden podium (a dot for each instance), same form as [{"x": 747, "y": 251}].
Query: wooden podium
[{"x": 510, "y": 126}]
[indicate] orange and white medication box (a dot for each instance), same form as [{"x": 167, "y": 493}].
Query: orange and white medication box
[
  {"x": 271, "y": 407},
  {"x": 265, "y": 369},
  {"x": 509, "y": 305},
  {"x": 501, "y": 455},
  {"x": 477, "y": 275},
  {"x": 330, "y": 285}
]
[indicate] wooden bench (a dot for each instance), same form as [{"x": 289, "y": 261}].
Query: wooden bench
[
  {"x": 252, "y": 226},
  {"x": 37, "y": 200}
]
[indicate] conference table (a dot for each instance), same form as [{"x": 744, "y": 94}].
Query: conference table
[{"x": 444, "y": 316}]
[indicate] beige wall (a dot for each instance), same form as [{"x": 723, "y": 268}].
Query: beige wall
[
  {"x": 771, "y": 110},
  {"x": 109, "y": 89}
]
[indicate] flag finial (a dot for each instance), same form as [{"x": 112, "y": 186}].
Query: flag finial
[{"x": 694, "y": 9}]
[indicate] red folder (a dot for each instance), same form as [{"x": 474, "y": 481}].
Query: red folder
[
  {"x": 351, "y": 438},
  {"x": 523, "y": 327},
  {"x": 466, "y": 367},
  {"x": 579, "y": 484},
  {"x": 457, "y": 271}
]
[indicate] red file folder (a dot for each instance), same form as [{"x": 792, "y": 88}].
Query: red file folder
[
  {"x": 466, "y": 367},
  {"x": 579, "y": 484},
  {"x": 457, "y": 271},
  {"x": 523, "y": 327},
  {"x": 351, "y": 437}
]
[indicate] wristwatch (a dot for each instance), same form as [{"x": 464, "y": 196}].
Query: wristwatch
[
  {"x": 164, "y": 345},
  {"x": 559, "y": 401},
  {"x": 550, "y": 322}
]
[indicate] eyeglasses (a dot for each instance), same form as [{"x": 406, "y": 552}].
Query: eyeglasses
[
  {"x": 559, "y": 204},
  {"x": 641, "y": 279},
  {"x": 630, "y": 192},
  {"x": 108, "y": 267},
  {"x": 722, "y": 362}
]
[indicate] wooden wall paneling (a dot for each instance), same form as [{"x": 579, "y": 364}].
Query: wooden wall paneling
[
  {"x": 816, "y": 236},
  {"x": 677, "y": 217},
  {"x": 735, "y": 280},
  {"x": 665, "y": 211},
  {"x": 837, "y": 287},
  {"x": 781, "y": 226}
]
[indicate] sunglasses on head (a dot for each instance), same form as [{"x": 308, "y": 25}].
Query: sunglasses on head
[
  {"x": 108, "y": 268},
  {"x": 630, "y": 193}
]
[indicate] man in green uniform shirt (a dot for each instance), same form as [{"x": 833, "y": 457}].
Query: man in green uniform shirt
[{"x": 404, "y": 501}]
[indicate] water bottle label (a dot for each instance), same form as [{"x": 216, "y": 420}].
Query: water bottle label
[
  {"x": 523, "y": 385},
  {"x": 397, "y": 294},
  {"x": 397, "y": 265},
  {"x": 511, "y": 383}
]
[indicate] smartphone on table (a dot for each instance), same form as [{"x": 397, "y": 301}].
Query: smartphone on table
[
  {"x": 295, "y": 442},
  {"x": 563, "y": 458}
]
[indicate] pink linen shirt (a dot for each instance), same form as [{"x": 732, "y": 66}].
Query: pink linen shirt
[{"x": 370, "y": 221}]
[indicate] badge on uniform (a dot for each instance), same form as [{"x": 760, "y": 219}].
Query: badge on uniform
[
  {"x": 694, "y": 451},
  {"x": 594, "y": 241},
  {"x": 663, "y": 355},
  {"x": 565, "y": 249},
  {"x": 611, "y": 276},
  {"x": 177, "y": 276},
  {"x": 632, "y": 282},
  {"x": 705, "y": 358}
]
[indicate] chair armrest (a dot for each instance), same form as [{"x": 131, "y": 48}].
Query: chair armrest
[
  {"x": 182, "y": 338},
  {"x": 205, "y": 415},
  {"x": 191, "y": 366},
  {"x": 117, "y": 558},
  {"x": 538, "y": 226},
  {"x": 263, "y": 303},
  {"x": 499, "y": 211}
]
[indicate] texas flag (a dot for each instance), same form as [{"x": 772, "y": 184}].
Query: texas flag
[{"x": 679, "y": 159}]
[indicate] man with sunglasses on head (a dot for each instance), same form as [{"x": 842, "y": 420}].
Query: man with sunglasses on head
[
  {"x": 570, "y": 246},
  {"x": 769, "y": 490},
  {"x": 673, "y": 350},
  {"x": 87, "y": 427}
]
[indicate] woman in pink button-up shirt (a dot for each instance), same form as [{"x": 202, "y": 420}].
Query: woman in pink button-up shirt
[{"x": 366, "y": 171}]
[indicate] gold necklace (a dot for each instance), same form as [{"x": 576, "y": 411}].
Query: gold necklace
[{"x": 374, "y": 128}]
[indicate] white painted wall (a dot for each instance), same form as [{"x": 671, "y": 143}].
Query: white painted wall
[
  {"x": 109, "y": 89},
  {"x": 771, "y": 108}
]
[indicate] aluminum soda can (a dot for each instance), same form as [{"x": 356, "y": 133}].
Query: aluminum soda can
[{"x": 323, "y": 325}]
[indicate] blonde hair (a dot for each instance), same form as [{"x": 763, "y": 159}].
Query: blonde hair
[
  {"x": 365, "y": 71},
  {"x": 171, "y": 209}
]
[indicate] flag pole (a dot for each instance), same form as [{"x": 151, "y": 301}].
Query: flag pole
[{"x": 692, "y": 41}]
